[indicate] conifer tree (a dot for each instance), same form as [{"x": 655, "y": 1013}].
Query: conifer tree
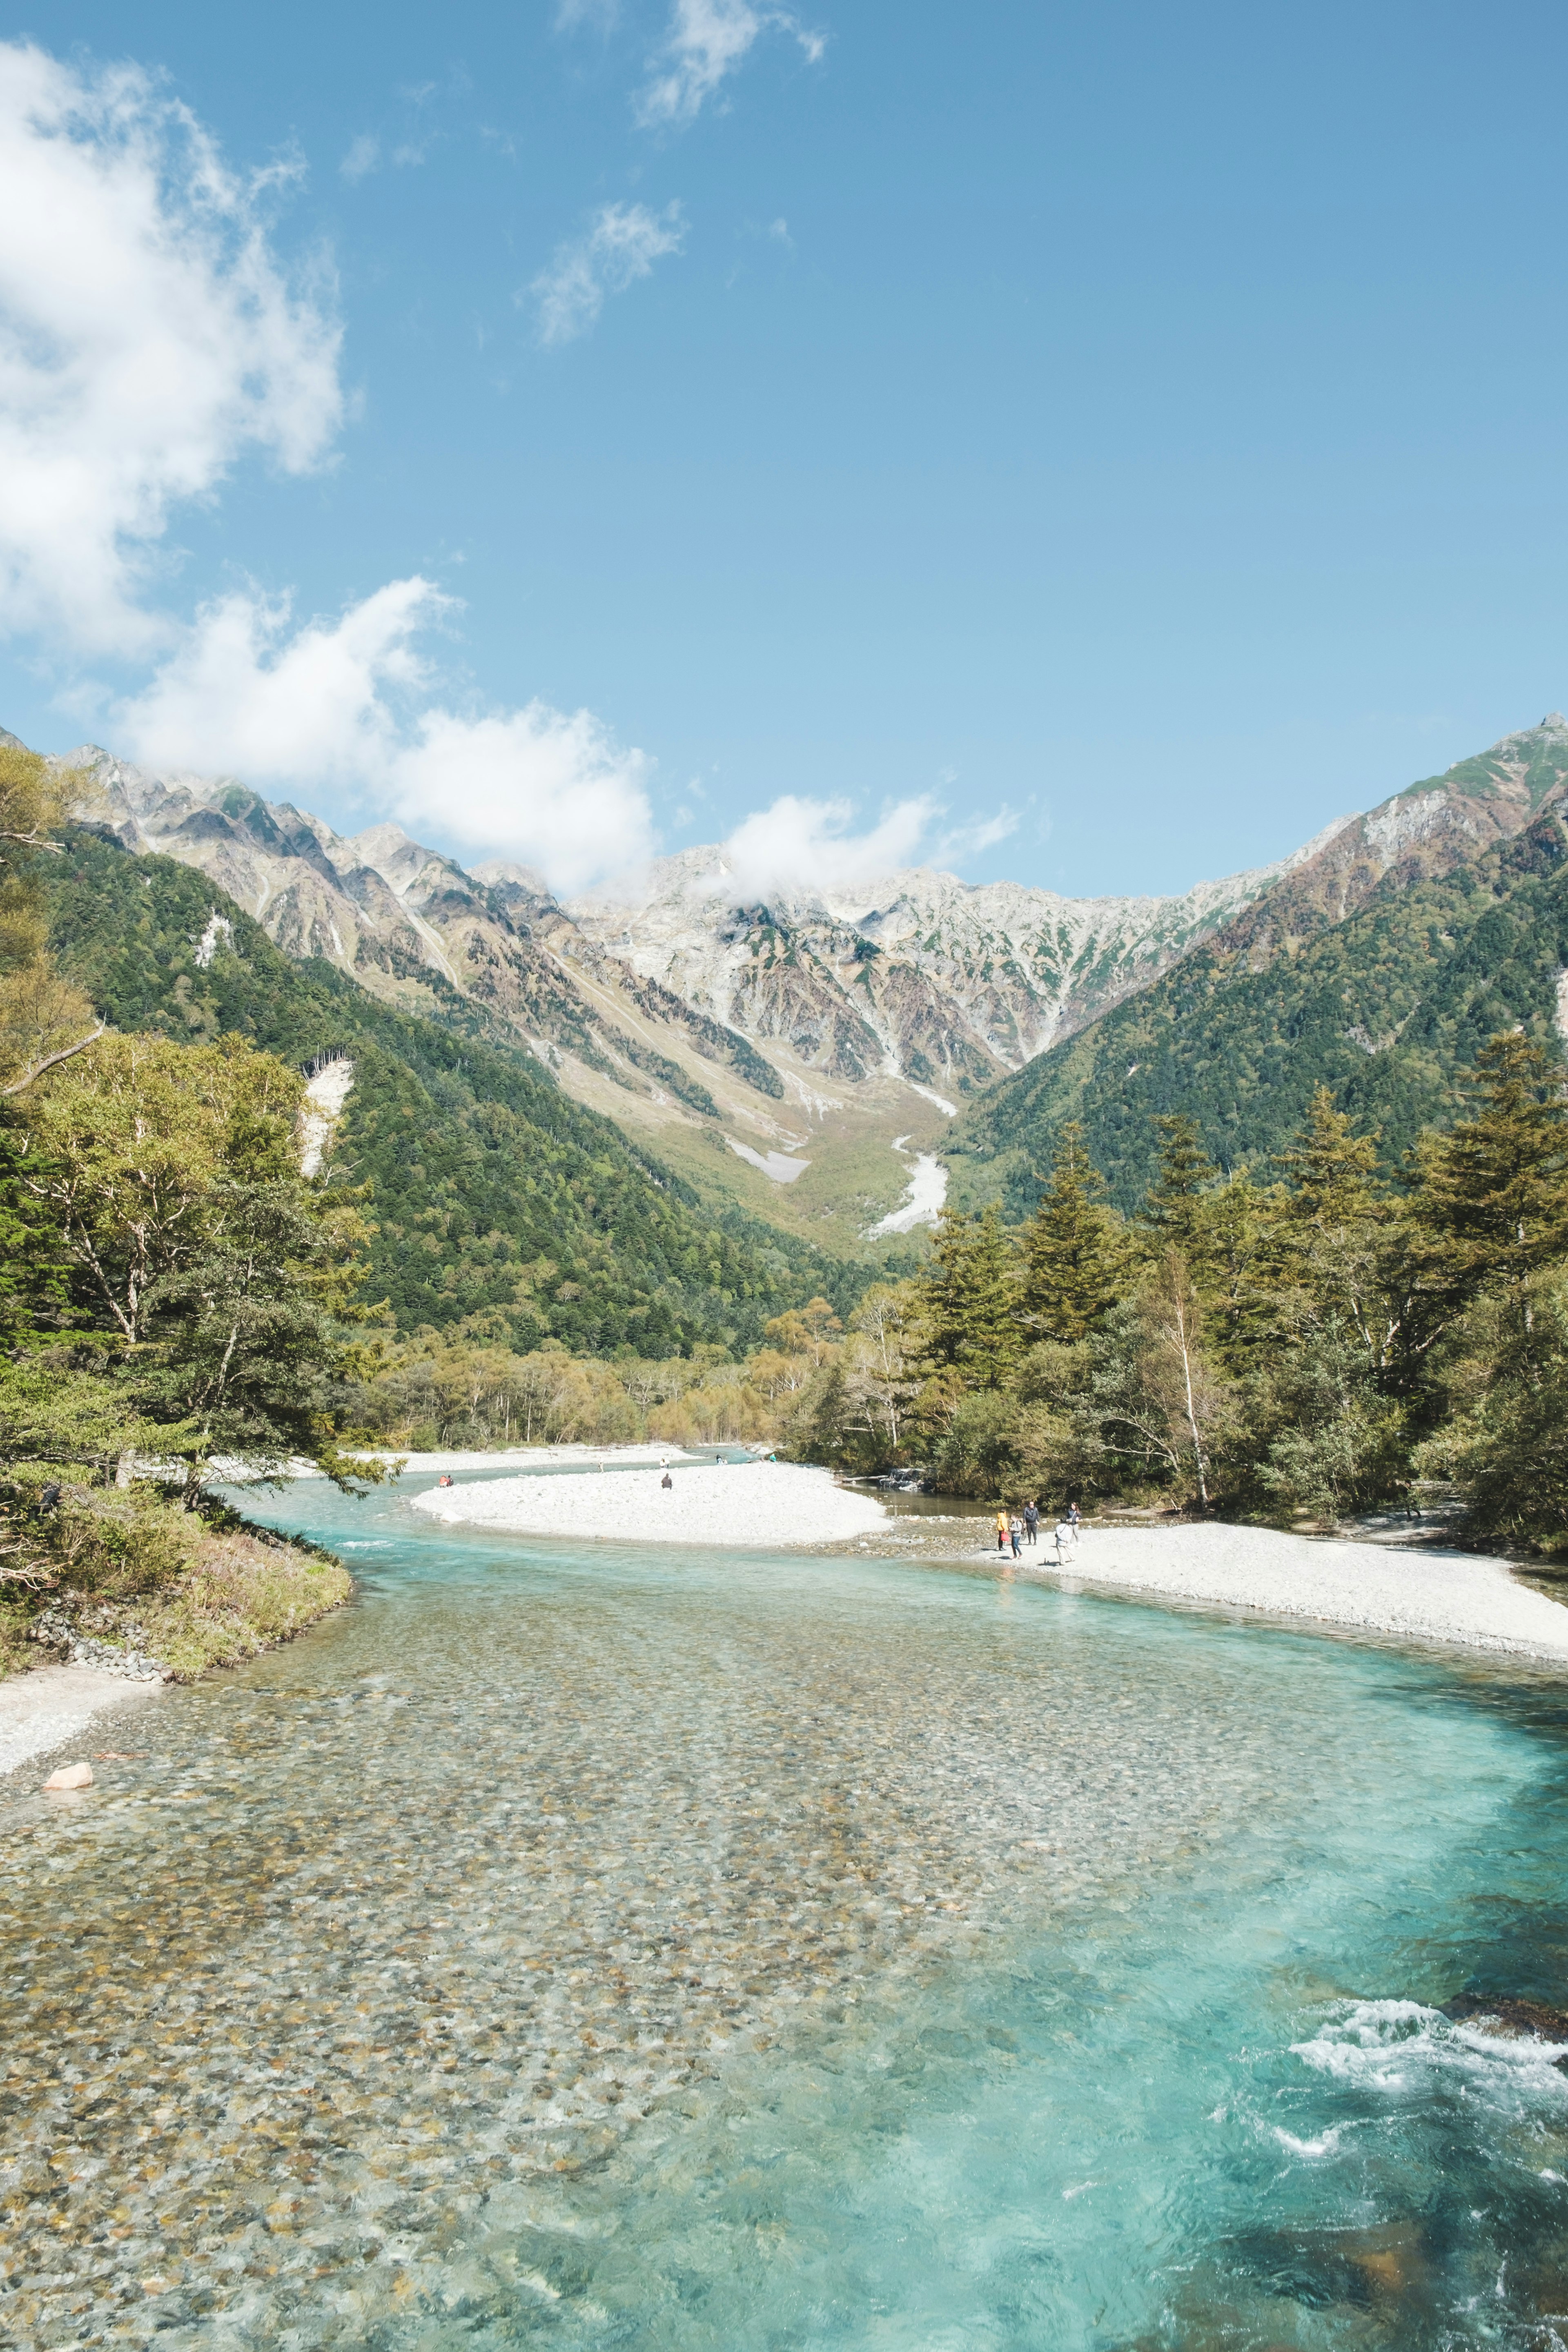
[
  {"x": 1072, "y": 1255},
  {"x": 968, "y": 1299},
  {"x": 1333, "y": 1227},
  {"x": 1332, "y": 1170},
  {"x": 1235, "y": 1266},
  {"x": 1174, "y": 1213},
  {"x": 1491, "y": 1205}
]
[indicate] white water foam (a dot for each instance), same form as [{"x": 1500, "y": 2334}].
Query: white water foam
[{"x": 1401, "y": 2050}]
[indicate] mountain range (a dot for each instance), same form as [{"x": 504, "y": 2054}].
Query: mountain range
[
  {"x": 820, "y": 1058},
  {"x": 1381, "y": 986},
  {"x": 497, "y": 1205},
  {"x": 804, "y": 1057}
]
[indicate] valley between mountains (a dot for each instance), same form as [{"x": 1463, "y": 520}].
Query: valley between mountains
[
  {"x": 828, "y": 1064},
  {"x": 804, "y": 1058}
]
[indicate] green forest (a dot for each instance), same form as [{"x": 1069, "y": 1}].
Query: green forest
[
  {"x": 1301, "y": 1342},
  {"x": 1387, "y": 1009},
  {"x": 495, "y": 1195}
]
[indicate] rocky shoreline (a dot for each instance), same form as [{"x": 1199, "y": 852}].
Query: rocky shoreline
[
  {"x": 42, "y": 1710},
  {"x": 1424, "y": 1592}
]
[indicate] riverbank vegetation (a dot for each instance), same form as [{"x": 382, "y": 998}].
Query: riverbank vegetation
[
  {"x": 1302, "y": 1340},
  {"x": 176, "y": 1296},
  {"x": 1305, "y": 1341}
]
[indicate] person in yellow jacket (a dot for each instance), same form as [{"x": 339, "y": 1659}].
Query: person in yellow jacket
[{"x": 1004, "y": 1525}]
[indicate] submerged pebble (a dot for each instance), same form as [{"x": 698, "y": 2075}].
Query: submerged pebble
[{"x": 365, "y": 2001}]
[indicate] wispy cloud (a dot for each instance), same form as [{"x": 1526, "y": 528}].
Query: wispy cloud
[
  {"x": 967, "y": 841},
  {"x": 373, "y": 150},
  {"x": 621, "y": 246},
  {"x": 363, "y": 158},
  {"x": 707, "y": 41},
  {"x": 802, "y": 848}
]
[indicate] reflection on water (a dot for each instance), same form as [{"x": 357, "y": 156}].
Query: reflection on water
[{"x": 589, "y": 1947}]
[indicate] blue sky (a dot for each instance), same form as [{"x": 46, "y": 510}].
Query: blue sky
[{"x": 1146, "y": 421}]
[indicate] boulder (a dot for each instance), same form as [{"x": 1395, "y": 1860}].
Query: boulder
[
  {"x": 71, "y": 1776},
  {"x": 1509, "y": 2019}
]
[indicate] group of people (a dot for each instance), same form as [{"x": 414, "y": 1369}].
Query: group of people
[{"x": 1016, "y": 1530}]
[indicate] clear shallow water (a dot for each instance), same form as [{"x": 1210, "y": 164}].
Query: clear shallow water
[{"x": 577, "y": 1947}]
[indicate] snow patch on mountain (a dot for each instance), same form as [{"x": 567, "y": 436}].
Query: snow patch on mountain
[
  {"x": 923, "y": 1204},
  {"x": 777, "y": 1165}
]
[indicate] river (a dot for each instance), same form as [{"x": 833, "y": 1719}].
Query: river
[{"x": 586, "y": 1946}]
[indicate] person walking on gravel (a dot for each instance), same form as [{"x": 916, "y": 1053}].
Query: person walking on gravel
[
  {"x": 1002, "y": 1530},
  {"x": 1031, "y": 1520},
  {"x": 1015, "y": 1534}
]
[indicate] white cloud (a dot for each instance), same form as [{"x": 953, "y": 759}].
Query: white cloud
[
  {"x": 800, "y": 848},
  {"x": 348, "y": 703},
  {"x": 968, "y": 841},
  {"x": 248, "y": 695},
  {"x": 622, "y": 245},
  {"x": 364, "y": 156},
  {"x": 707, "y": 40},
  {"x": 148, "y": 338},
  {"x": 550, "y": 788}
]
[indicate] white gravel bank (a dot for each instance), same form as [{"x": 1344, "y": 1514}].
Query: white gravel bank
[
  {"x": 53, "y": 1703},
  {"x": 519, "y": 1457},
  {"x": 1433, "y": 1596},
  {"x": 769, "y": 1506}
]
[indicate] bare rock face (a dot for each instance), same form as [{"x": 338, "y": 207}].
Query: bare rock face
[
  {"x": 916, "y": 979},
  {"x": 918, "y": 975},
  {"x": 1429, "y": 829},
  {"x": 698, "y": 1008},
  {"x": 71, "y": 1776}
]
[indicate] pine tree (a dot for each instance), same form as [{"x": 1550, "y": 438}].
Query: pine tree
[
  {"x": 1332, "y": 1171},
  {"x": 1332, "y": 1229},
  {"x": 1072, "y": 1254},
  {"x": 1173, "y": 1213},
  {"x": 1492, "y": 1204},
  {"x": 1231, "y": 1261},
  {"x": 968, "y": 1299}
]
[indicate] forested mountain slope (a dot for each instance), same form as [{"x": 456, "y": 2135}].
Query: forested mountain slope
[
  {"x": 796, "y": 1057},
  {"x": 791, "y": 1055},
  {"x": 1383, "y": 1007},
  {"x": 494, "y": 1192}
]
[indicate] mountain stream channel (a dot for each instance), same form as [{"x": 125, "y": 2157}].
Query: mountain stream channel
[{"x": 585, "y": 1945}]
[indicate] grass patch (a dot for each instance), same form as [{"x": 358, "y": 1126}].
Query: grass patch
[{"x": 134, "y": 1570}]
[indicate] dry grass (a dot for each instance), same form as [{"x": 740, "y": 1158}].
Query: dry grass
[{"x": 138, "y": 1571}]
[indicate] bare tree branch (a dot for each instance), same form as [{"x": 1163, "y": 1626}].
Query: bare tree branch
[{"x": 50, "y": 1060}]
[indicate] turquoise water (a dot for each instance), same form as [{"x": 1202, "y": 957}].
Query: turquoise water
[{"x": 585, "y": 1946}]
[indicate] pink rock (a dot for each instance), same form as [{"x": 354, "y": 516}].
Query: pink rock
[{"x": 71, "y": 1776}]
